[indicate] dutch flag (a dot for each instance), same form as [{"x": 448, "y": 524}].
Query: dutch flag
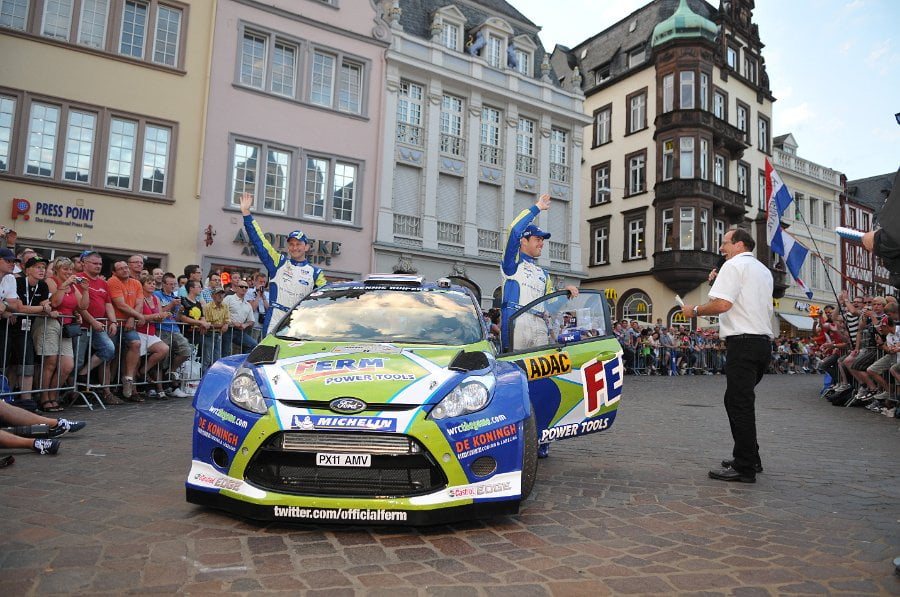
[{"x": 782, "y": 243}]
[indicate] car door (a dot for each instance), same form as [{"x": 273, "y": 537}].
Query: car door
[{"x": 572, "y": 360}]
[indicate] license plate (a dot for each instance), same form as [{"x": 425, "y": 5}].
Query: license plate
[{"x": 359, "y": 460}]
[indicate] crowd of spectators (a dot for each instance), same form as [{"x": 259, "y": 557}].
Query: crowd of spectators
[{"x": 67, "y": 332}]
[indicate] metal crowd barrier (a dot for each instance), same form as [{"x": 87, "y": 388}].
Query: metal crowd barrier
[{"x": 89, "y": 390}]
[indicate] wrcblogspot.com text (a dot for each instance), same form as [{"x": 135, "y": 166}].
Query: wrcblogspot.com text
[{"x": 339, "y": 513}]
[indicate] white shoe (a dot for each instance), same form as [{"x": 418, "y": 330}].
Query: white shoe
[
  {"x": 881, "y": 396},
  {"x": 127, "y": 387},
  {"x": 178, "y": 393}
]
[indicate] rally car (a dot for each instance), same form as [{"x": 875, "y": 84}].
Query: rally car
[{"x": 384, "y": 402}]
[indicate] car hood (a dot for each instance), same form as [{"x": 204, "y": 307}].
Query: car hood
[{"x": 374, "y": 373}]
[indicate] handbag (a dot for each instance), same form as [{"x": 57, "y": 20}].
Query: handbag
[{"x": 71, "y": 330}]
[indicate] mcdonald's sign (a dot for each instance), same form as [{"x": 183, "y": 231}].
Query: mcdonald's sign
[
  {"x": 679, "y": 318},
  {"x": 641, "y": 307},
  {"x": 611, "y": 294}
]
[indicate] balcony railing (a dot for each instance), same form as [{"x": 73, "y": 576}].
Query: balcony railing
[
  {"x": 491, "y": 155},
  {"x": 525, "y": 164},
  {"x": 488, "y": 239},
  {"x": 452, "y": 144},
  {"x": 791, "y": 162},
  {"x": 559, "y": 173},
  {"x": 450, "y": 233},
  {"x": 410, "y": 134},
  {"x": 559, "y": 251},
  {"x": 407, "y": 225},
  {"x": 695, "y": 187}
]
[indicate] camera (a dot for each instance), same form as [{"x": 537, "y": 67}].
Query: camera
[{"x": 79, "y": 280}]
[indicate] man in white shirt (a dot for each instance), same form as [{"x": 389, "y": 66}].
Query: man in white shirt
[
  {"x": 741, "y": 296},
  {"x": 243, "y": 317}
]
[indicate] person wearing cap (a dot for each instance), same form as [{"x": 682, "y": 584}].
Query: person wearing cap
[
  {"x": 218, "y": 316},
  {"x": 523, "y": 279},
  {"x": 291, "y": 276},
  {"x": 34, "y": 296},
  {"x": 9, "y": 297}
]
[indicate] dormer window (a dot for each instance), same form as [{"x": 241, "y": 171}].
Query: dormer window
[
  {"x": 450, "y": 36},
  {"x": 522, "y": 54},
  {"x": 496, "y": 34},
  {"x": 495, "y": 51},
  {"x": 447, "y": 26},
  {"x": 602, "y": 74},
  {"x": 635, "y": 57}
]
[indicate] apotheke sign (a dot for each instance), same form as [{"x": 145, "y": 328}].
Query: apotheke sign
[{"x": 320, "y": 251}]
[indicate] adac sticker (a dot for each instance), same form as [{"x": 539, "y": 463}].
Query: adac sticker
[
  {"x": 602, "y": 384},
  {"x": 546, "y": 365},
  {"x": 313, "y": 422}
]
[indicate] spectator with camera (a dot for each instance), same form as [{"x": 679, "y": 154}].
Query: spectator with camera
[{"x": 54, "y": 335}]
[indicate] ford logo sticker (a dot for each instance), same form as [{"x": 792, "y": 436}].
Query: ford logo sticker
[{"x": 347, "y": 406}]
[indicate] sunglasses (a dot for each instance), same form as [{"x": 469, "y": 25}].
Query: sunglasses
[{"x": 242, "y": 286}]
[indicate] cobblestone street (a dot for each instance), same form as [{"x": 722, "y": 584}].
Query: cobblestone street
[{"x": 629, "y": 511}]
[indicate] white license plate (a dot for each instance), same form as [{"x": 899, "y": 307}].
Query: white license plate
[{"x": 360, "y": 460}]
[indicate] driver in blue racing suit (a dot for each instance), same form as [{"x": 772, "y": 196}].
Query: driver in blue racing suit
[
  {"x": 291, "y": 276},
  {"x": 524, "y": 281}
]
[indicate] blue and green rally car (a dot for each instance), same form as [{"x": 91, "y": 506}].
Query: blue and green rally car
[{"x": 384, "y": 402}]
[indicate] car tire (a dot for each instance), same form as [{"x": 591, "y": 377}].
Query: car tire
[{"x": 529, "y": 456}]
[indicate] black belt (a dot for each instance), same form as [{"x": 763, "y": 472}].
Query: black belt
[{"x": 747, "y": 336}]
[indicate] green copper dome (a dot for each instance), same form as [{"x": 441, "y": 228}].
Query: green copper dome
[{"x": 685, "y": 23}]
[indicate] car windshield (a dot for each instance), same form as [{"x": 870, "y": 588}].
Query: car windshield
[{"x": 366, "y": 314}]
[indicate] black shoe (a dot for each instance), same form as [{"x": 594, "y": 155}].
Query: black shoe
[
  {"x": 729, "y": 474},
  {"x": 730, "y": 464}
]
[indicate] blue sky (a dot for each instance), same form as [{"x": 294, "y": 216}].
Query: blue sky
[{"x": 834, "y": 69}]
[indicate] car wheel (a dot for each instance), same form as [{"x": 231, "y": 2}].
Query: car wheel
[{"x": 529, "y": 456}]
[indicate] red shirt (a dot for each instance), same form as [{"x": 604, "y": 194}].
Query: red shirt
[{"x": 98, "y": 297}]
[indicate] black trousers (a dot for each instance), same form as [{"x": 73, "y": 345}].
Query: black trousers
[{"x": 747, "y": 361}]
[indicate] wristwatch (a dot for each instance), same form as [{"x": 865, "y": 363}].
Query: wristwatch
[{"x": 696, "y": 310}]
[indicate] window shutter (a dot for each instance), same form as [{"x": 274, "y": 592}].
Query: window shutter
[
  {"x": 558, "y": 222},
  {"x": 449, "y": 197},
  {"x": 521, "y": 202},
  {"x": 487, "y": 210},
  {"x": 406, "y": 190}
]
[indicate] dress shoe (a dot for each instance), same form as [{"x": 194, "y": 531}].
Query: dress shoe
[
  {"x": 730, "y": 464},
  {"x": 729, "y": 474}
]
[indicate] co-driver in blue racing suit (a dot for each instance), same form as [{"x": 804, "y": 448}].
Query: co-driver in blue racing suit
[{"x": 291, "y": 277}]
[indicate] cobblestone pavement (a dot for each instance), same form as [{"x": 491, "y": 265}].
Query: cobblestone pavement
[{"x": 630, "y": 511}]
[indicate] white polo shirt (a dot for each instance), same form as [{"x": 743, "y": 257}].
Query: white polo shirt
[{"x": 747, "y": 285}]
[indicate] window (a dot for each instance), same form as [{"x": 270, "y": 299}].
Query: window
[
  {"x": 329, "y": 177},
  {"x": 525, "y": 161},
  {"x": 704, "y": 159},
  {"x": 668, "y": 231},
  {"x": 799, "y": 204},
  {"x": 637, "y": 112},
  {"x": 704, "y": 91},
  {"x": 602, "y": 74},
  {"x": 92, "y": 29},
  {"x": 7, "y": 116},
  {"x": 284, "y": 69},
  {"x": 491, "y": 152},
  {"x": 813, "y": 211},
  {"x": 57, "y": 19},
  {"x": 409, "y": 114},
  {"x": 668, "y": 87},
  {"x": 120, "y": 161},
  {"x": 599, "y": 230},
  {"x": 602, "y": 124},
  {"x": 523, "y": 62},
  {"x": 634, "y": 236},
  {"x": 686, "y": 97},
  {"x": 559, "y": 155},
  {"x": 741, "y": 119},
  {"x": 253, "y": 58},
  {"x": 637, "y": 172},
  {"x": 731, "y": 58},
  {"x": 452, "y": 125},
  {"x": 637, "y": 307},
  {"x": 719, "y": 175},
  {"x": 635, "y": 57},
  {"x": 168, "y": 27},
  {"x": 247, "y": 170},
  {"x": 13, "y": 14},
  {"x": 495, "y": 51},
  {"x": 344, "y": 194},
  {"x": 720, "y": 232},
  {"x": 719, "y": 105},
  {"x": 763, "y": 200},
  {"x": 134, "y": 25},
  {"x": 750, "y": 68},
  {"x": 336, "y": 89},
  {"x": 827, "y": 218},
  {"x": 450, "y": 36},
  {"x": 42, "y": 132},
  {"x": 704, "y": 229},
  {"x": 763, "y": 134},
  {"x": 600, "y": 189},
  {"x": 156, "y": 151},
  {"x": 686, "y": 228},
  {"x": 686, "y": 157},
  {"x": 668, "y": 159},
  {"x": 743, "y": 173},
  {"x": 79, "y": 146}
]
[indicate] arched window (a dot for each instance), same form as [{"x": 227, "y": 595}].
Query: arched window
[{"x": 637, "y": 306}]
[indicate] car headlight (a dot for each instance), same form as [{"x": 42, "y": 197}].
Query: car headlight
[
  {"x": 244, "y": 393},
  {"x": 470, "y": 396}
]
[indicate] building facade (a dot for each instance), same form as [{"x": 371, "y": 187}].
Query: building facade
[
  {"x": 476, "y": 127},
  {"x": 100, "y": 139},
  {"x": 675, "y": 154},
  {"x": 295, "y": 104},
  {"x": 812, "y": 216}
]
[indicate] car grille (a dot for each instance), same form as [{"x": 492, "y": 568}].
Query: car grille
[{"x": 400, "y": 465}]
